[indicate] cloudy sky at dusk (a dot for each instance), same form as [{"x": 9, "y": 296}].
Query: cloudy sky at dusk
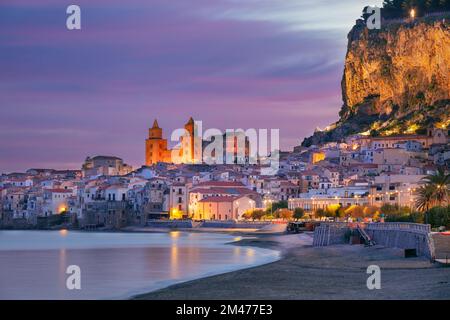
[{"x": 65, "y": 95}]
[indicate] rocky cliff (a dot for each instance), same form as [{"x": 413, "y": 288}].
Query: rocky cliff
[{"x": 396, "y": 80}]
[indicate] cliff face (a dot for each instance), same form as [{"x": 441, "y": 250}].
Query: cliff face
[{"x": 396, "y": 80}]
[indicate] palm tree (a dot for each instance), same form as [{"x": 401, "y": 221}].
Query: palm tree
[
  {"x": 441, "y": 182},
  {"x": 425, "y": 198},
  {"x": 435, "y": 191}
]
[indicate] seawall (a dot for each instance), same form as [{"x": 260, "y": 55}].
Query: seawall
[{"x": 390, "y": 234}]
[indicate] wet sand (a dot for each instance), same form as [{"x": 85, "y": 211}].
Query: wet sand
[{"x": 305, "y": 272}]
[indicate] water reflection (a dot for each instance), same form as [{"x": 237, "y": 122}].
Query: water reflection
[
  {"x": 33, "y": 264},
  {"x": 174, "y": 264},
  {"x": 62, "y": 268},
  {"x": 250, "y": 253},
  {"x": 174, "y": 234}
]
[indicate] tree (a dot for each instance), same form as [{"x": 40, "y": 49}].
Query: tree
[
  {"x": 401, "y": 8},
  {"x": 284, "y": 214},
  {"x": 355, "y": 211},
  {"x": 258, "y": 214},
  {"x": 425, "y": 198},
  {"x": 320, "y": 213},
  {"x": 333, "y": 210},
  {"x": 440, "y": 182},
  {"x": 340, "y": 213},
  {"x": 298, "y": 213},
  {"x": 279, "y": 205},
  {"x": 247, "y": 214},
  {"x": 371, "y": 212},
  {"x": 435, "y": 191}
]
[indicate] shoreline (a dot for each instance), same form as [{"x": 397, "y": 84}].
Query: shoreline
[
  {"x": 211, "y": 255},
  {"x": 304, "y": 272}
]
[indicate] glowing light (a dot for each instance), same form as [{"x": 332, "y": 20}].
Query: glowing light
[
  {"x": 412, "y": 128},
  {"x": 412, "y": 13},
  {"x": 175, "y": 234},
  {"x": 318, "y": 156},
  {"x": 176, "y": 214},
  {"x": 62, "y": 209}
]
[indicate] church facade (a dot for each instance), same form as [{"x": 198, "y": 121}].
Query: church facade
[{"x": 157, "y": 150}]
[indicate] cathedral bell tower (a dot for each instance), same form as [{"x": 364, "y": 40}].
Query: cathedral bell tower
[
  {"x": 155, "y": 132},
  {"x": 155, "y": 146}
]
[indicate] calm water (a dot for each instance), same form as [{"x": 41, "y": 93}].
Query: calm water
[{"x": 113, "y": 265}]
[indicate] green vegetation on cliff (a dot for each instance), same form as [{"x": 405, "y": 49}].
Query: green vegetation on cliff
[{"x": 401, "y": 8}]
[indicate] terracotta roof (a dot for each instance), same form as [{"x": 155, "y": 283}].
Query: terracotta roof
[
  {"x": 59, "y": 190},
  {"x": 220, "y": 184},
  {"x": 178, "y": 184},
  {"x": 219, "y": 199},
  {"x": 225, "y": 190},
  {"x": 288, "y": 184},
  {"x": 113, "y": 186},
  {"x": 407, "y": 136},
  {"x": 364, "y": 165},
  {"x": 309, "y": 173}
]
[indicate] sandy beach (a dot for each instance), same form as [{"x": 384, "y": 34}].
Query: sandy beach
[{"x": 306, "y": 272}]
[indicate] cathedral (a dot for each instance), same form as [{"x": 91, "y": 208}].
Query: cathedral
[{"x": 156, "y": 147}]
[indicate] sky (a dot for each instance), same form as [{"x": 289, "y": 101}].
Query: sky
[{"x": 68, "y": 94}]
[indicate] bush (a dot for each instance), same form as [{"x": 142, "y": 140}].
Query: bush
[
  {"x": 298, "y": 213},
  {"x": 438, "y": 216},
  {"x": 396, "y": 210}
]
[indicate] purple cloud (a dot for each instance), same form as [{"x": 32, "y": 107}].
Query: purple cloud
[{"x": 233, "y": 64}]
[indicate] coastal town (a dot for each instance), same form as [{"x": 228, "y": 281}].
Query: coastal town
[
  {"x": 225, "y": 158},
  {"x": 350, "y": 180}
]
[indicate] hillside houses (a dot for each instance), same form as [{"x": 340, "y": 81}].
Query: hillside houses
[{"x": 106, "y": 193}]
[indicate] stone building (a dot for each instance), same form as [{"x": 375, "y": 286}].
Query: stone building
[{"x": 106, "y": 166}]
